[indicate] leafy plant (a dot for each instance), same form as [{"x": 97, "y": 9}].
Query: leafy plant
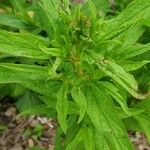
[
  {"x": 2, "y": 127},
  {"x": 84, "y": 68}
]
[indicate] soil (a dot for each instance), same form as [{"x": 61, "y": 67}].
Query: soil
[
  {"x": 139, "y": 140},
  {"x": 18, "y": 133}
]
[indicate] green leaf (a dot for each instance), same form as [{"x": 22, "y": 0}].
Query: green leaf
[
  {"x": 39, "y": 110},
  {"x": 80, "y": 99},
  {"x": 89, "y": 139},
  {"x": 51, "y": 51},
  {"x": 78, "y": 138},
  {"x": 130, "y": 15},
  {"x": 2, "y": 127},
  {"x": 132, "y": 111},
  {"x": 114, "y": 92},
  {"x": 144, "y": 104},
  {"x": 131, "y": 35},
  {"x": 14, "y": 90},
  {"x": 100, "y": 145},
  {"x": 47, "y": 12},
  {"x": 18, "y": 5},
  {"x": 73, "y": 129},
  {"x": 133, "y": 65},
  {"x": 23, "y": 71},
  {"x": 132, "y": 125},
  {"x": 104, "y": 117},
  {"x": 102, "y": 5},
  {"x": 117, "y": 73},
  {"x": 28, "y": 101},
  {"x": 93, "y": 10},
  {"x": 23, "y": 45},
  {"x": 133, "y": 51},
  {"x": 51, "y": 101},
  {"x": 58, "y": 144},
  {"x": 15, "y": 22},
  {"x": 30, "y": 76},
  {"x": 146, "y": 22},
  {"x": 36, "y": 148},
  {"x": 126, "y": 80},
  {"x": 144, "y": 122},
  {"x": 62, "y": 106},
  {"x": 51, "y": 7}
]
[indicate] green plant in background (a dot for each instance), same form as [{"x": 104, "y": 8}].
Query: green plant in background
[
  {"x": 82, "y": 68},
  {"x": 36, "y": 148},
  {"x": 36, "y": 131},
  {"x": 2, "y": 127}
]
